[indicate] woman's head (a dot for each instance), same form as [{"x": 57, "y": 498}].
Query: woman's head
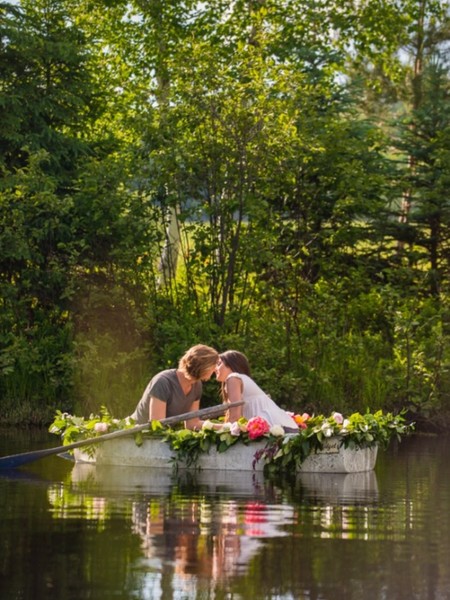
[
  {"x": 199, "y": 362},
  {"x": 236, "y": 361}
]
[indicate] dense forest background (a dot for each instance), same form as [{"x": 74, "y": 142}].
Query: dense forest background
[{"x": 271, "y": 176}]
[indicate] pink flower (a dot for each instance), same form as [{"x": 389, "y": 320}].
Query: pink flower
[
  {"x": 257, "y": 427},
  {"x": 101, "y": 427},
  {"x": 338, "y": 418}
]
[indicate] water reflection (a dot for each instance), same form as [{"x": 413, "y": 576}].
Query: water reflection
[
  {"x": 73, "y": 532},
  {"x": 212, "y": 532},
  {"x": 18, "y": 475},
  {"x": 340, "y": 488},
  {"x": 336, "y": 488},
  {"x": 213, "y": 541},
  {"x": 203, "y": 533},
  {"x": 112, "y": 479}
]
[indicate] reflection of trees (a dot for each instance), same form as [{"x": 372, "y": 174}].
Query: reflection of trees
[
  {"x": 303, "y": 539},
  {"x": 198, "y": 537}
]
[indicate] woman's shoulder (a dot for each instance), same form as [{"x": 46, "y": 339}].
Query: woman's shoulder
[{"x": 237, "y": 375}]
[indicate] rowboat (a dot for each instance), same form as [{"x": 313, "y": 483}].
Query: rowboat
[
  {"x": 322, "y": 445},
  {"x": 153, "y": 453}
]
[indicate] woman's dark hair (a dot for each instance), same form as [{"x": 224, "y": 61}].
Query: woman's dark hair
[{"x": 236, "y": 361}]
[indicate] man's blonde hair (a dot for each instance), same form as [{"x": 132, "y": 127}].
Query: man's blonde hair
[{"x": 197, "y": 361}]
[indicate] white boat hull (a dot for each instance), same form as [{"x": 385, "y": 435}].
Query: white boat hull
[{"x": 155, "y": 453}]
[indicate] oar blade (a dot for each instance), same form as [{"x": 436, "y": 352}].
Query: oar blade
[{"x": 18, "y": 460}]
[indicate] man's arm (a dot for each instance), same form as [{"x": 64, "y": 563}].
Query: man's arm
[
  {"x": 157, "y": 409},
  {"x": 194, "y": 423}
]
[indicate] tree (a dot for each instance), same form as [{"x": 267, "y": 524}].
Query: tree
[
  {"x": 425, "y": 140},
  {"x": 70, "y": 212},
  {"x": 422, "y": 133},
  {"x": 44, "y": 59}
]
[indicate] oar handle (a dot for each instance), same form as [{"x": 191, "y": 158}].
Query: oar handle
[{"x": 17, "y": 460}]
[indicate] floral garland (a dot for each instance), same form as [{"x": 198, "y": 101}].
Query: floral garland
[
  {"x": 73, "y": 429},
  {"x": 285, "y": 452},
  {"x": 357, "y": 431},
  {"x": 281, "y": 453}
]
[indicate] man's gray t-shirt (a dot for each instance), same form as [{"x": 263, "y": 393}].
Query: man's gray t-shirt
[{"x": 166, "y": 387}]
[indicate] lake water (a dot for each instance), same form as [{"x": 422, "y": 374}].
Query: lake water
[{"x": 79, "y": 532}]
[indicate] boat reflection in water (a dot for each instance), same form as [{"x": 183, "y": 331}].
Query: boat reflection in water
[
  {"x": 205, "y": 525},
  {"x": 203, "y": 528},
  {"x": 340, "y": 488},
  {"x": 335, "y": 487},
  {"x": 163, "y": 481}
]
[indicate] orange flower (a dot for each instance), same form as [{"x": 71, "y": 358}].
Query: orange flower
[{"x": 301, "y": 420}]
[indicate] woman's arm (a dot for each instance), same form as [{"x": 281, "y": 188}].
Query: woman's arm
[{"x": 234, "y": 388}]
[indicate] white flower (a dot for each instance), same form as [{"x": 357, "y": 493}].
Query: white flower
[
  {"x": 101, "y": 427},
  {"x": 209, "y": 425},
  {"x": 345, "y": 425},
  {"x": 276, "y": 430},
  {"x": 226, "y": 427},
  {"x": 235, "y": 429},
  {"x": 338, "y": 417},
  {"x": 327, "y": 430}
]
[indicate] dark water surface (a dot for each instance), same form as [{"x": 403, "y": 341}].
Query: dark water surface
[{"x": 79, "y": 532}]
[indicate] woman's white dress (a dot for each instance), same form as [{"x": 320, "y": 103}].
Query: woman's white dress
[{"x": 259, "y": 404}]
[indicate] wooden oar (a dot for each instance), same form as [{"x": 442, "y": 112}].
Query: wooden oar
[{"x": 17, "y": 460}]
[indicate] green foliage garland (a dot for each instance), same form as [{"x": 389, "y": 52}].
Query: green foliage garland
[{"x": 282, "y": 453}]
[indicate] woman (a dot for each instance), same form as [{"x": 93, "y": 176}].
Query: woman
[
  {"x": 233, "y": 371},
  {"x": 176, "y": 391}
]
